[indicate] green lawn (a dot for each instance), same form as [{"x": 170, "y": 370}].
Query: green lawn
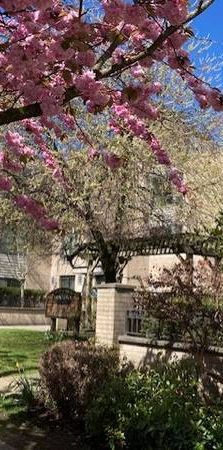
[{"x": 20, "y": 347}]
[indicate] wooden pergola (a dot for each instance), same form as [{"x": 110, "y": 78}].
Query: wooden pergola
[{"x": 157, "y": 244}]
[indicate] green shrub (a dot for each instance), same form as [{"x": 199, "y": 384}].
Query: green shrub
[
  {"x": 11, "y": 297},
  {"x": 34, "y": 298},
  {"x": 158, "y": 410},
  {"x": 71, "y": 374},
  {"x": 53, "y": 337},
  {"x": 26, "y": 389}
]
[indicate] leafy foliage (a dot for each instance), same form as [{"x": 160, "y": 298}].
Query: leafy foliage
[
  {"x": 71, "y": 374},
  {"x": 11, "y": 297},
  {"x": 159, "y": 409},
  {"x": 188, "y": 305}
]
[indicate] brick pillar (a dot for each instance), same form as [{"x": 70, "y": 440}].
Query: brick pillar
[{"x": 113, "y": 301}]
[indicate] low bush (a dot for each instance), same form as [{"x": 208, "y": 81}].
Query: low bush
[
  {"x": 157, "y": 410},
  {"x": 72, "y": 372},
  {"x": 122, "y": 408},
  {"x": 184, "y": 303},
  {"x": 11, "y": 297}
]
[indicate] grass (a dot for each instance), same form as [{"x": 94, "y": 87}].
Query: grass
[
  {"x": 20, "y": 347},
  {"x": 10, "y": 406},
  {"x": 21, "y": 427}
]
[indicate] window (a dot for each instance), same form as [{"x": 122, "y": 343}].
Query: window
[
  {"x": 99, "y": 279},
  {"x": 67, "y": 282}
]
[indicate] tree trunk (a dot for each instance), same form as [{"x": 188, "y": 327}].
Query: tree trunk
[{"x": 110, "y": 267}]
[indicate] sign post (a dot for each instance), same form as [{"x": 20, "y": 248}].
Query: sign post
[{"x": 64, "y": 303}]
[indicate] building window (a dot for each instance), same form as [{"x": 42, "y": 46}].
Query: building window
[
  {"x": 67, "y": 282},
  {"x": 99, "y": 279}
]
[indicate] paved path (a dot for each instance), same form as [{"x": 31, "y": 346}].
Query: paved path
[
  {"x": 6, "y": 383},
  {"x": 25, "y": 327}
]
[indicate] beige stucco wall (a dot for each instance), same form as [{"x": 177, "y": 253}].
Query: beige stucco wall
[
  {"x": 61, "y": 267},
  {"x": 16, "y": 316},
  {"x": 141, "y": 352},
  {"x": 38, "y": 272},
  {"x": 145, "y": 266},
  {"x": 44, "y": 272},
  {"x": 133, "y": 350}
]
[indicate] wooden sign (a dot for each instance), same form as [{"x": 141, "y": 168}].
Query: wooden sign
[{"x": 63, "y": 303}]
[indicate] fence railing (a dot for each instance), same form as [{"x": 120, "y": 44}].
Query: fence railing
[{"x": 134, "y": 322}]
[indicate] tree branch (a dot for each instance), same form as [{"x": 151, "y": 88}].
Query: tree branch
[
  {"x": 80, "y": 9},
  {"x": 157, "y": 44},
  {"x": 34, "y": 110}
]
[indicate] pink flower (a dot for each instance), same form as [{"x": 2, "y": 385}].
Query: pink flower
[
  {"x": 178, "y": 181},
  {"x": 117, "y": 56},
  {"x": 112, "y": 160},
  {"x": 16, "y": 143},
  {"x": 85, "y": 58},
  {"x": 37, "y": 211},
  {"x": 48, "y": 224},
  {"x": 137, "y": 71},
  {"x": 160, "y": 154},
  {"x": 93, "y": 153},
  {"x": 5, "y": 184}
]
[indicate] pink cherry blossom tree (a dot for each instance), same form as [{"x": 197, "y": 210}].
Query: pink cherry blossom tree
[{"x": 52, "y": 53}]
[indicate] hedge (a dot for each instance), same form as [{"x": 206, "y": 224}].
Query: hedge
[{"x": 11, "y": 297}]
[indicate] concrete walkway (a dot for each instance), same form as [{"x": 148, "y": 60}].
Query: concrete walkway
[
  {"x": 6, "y": 383},
  {"x": 25, "y": 327}
]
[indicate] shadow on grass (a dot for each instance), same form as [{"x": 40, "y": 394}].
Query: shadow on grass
[
  {"x": 9, "y": 361},
  {"x": 32, "y": 430}
]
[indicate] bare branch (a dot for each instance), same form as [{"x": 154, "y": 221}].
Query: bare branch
[{"x": 80, "y": 9}]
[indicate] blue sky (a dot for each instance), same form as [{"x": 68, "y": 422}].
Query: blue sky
[{"x": 210, "y": 22}]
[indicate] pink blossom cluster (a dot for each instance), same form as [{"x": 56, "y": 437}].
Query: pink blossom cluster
[
  {"x": 15, "y": 143},
  {"x": 37, "y": 129},
  {"x": 160, "y": 154},
  {"x": 94, "y": 92},
  {"x": 5, "y": 184},
  {"x": 36, "y": 211},
  {"x": 8, "y": 164},
  {"x": 177, "y": 179},
  {"x": 50, "y": 53},
  {"x": 112, "y": 160},
  {"x": 175, "y": 11},
  {"x": 64, "y": 46},
  {"x": 205, "y": 95},
  {"x": 138, "y": 128}
]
